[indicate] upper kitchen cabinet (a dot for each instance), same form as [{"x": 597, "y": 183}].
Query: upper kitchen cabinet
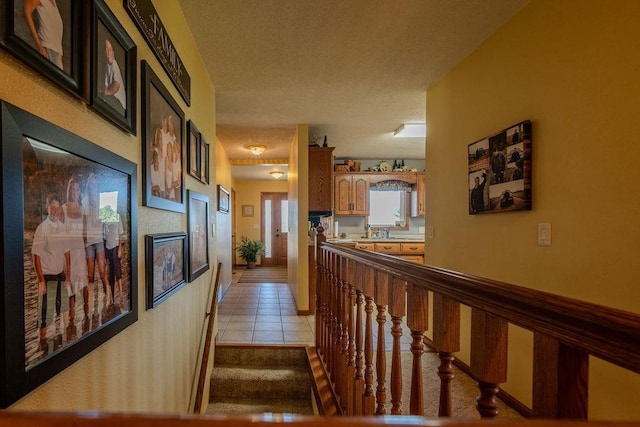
[
  {"x": 321, "y": 178},
  {"x": 351, "y": 194}
]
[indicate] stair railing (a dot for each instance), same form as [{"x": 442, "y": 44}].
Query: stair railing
[{"x": 352, "y": 284}]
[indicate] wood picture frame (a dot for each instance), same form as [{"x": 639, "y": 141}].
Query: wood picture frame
[
  {"x": 499, "y": 173},
  {"x": 47, "y": 173},
  {"x": 223, "y": 199},
  {"x": 204, "y": 160},
  {"x": 112, "y": 79},
  {"x": 161, "y": 114},
  {"x": 64, "y": 63},
  {"x": 247, "y": 210},
  {"x": 166, "y": 265},
  {"x": 198, "y": 226}
]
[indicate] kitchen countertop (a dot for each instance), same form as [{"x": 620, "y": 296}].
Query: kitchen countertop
[{"x": 377, "y": 240}]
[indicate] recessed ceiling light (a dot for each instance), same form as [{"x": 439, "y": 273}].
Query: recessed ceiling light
[{"x": 411, "y": 130}]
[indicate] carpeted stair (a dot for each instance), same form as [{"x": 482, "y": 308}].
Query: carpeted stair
[{"x": 256, "y": 380}]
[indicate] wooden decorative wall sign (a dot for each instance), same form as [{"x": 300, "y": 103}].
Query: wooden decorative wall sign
[{"x": 146, "y": 18}]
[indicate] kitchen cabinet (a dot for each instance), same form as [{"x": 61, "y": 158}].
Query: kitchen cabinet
[
  {"x": 420, "y": 189},
  {"x": 412, "y": 251},
  {"x": 351, "y": 194},
  {"x": 321, "y": 178}
]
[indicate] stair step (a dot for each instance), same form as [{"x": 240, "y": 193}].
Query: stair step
[
  {"x": 285, "y": 382},
  {"x": 235, "y": 406},
  {"x": 260, "y": 356}
]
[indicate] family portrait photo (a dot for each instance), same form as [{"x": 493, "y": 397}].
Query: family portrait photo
[{"x": 166, "y": 264}]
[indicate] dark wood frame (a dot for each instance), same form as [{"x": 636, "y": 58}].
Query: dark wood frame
[
  {"x": 151, "y": 242},
  {"x": 102, "y": 15},
  {"x": 151, "y": 82},
  {"x": 193, "y": 147},
  {"x": 223, "y": 199},
  {"x": 506, "y": 191},
  {"x": 204, "y": 163},
  {"x": 198, "y": 228},
  {"x": 17, "y": 377},
  {"x": 24, "y": 50}
]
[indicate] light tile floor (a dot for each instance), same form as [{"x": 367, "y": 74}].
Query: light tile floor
[{"x": 265, "y": 313}]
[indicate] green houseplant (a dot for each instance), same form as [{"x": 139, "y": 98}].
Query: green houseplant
[{"x": 249, "y": 250}]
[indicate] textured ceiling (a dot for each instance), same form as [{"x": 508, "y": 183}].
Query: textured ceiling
[{"x": 353, "y": 70}]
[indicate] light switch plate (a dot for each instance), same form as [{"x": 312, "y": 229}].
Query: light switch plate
[{"x": 544, "y": 234}]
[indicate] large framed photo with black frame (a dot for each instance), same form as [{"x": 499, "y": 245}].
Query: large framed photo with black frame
[
  {"x": 69, "y": 267},
  {"x": 112, "y": 79},
  {"x": 48, "y": 37},
  {"x": 166, "y": 264},
  {"x": 162, "y": 153},
  {"x": 198, "y": 223}
]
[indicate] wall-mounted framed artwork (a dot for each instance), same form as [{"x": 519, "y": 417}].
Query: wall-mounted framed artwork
[
  {"x": 48, "y": 37},
  {"x": 55, "y": 310},
  {"x": 162, "y": 153},
  {"x": 198, "y": 225},
  {"x": 499, "y": 173},
  {"x": 223, "y": 199},
  {"x": 247, "y": 210},
  {"x": 193, "y": 150},
  {"x": 204, "y": 160},
  {"x": 166, "y": 264},
  {"x": 112, "y": 87}
]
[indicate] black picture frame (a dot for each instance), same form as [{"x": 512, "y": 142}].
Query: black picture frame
[
  {"x": 159, "y": 108},
  {"x": 198, "y": 226},
  {"x": 204, "y": 160},
  {"x": 193, "y": 150},
  {"x": 119, "y": 108},
  {"x": 223, "y": 199},
  {"x": 15, "y": 37},
  {"x": 499, "y": 173},
  {"x": 166, "y": 265},
  {"x": 38, "y": 159}
]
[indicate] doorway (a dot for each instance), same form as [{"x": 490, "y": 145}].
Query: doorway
[{"x": 275, "y": 228}]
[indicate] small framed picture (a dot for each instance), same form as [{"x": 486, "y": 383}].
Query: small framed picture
[
  {"x": 166, "y": 256},
  {"x": 204, "y": 160},
  {"x": 193, "y": 150},
  {"x": 113, "y": 69},
  {"x": 247, "y": 210},
  {"x": 198, "y": 223},
  {"x": 223, "y": 199},
  {"x": 48, "y": 37}
]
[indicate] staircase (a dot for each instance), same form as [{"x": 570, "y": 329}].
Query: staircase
[{"x": 255, "y": 380}]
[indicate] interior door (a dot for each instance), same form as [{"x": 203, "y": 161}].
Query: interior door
[{"x": 275, "y": 228}]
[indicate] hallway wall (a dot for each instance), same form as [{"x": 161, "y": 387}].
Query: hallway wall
[
  {"x": 572, "y": 68},
  {"x": 149, "y": 367}
]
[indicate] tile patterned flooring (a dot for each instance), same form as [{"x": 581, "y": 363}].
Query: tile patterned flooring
[{"x": 265, "y": 313}]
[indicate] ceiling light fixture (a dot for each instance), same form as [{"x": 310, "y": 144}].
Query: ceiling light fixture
[
  {"x": 256, "y": 150},
  {"x": 276, "y": 174},
  {"x": 411, "y": 130}
]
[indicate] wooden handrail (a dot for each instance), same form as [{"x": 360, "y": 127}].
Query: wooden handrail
[
  {"x": 566, "y": 332},
  {"x": 202, "y": 375}
]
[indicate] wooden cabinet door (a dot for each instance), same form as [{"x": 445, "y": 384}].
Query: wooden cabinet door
[
  {"x": 360, "y": 195},
  {"x": 420, "y": 188},
  {"x": 320, "y": 178},
  {"x": 342, "y": 194},
  {"x": 351, "y": 195}
]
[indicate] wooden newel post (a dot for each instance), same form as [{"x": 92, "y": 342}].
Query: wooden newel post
[{"x": 489, "y": 339}]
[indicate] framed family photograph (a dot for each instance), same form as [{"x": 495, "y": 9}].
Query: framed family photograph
[
  {"x": 166, "y": 256},
  {"x": 162, "y": 154},
  {"x": 223, "y": 199},
  {"x": 499, "y": 173},
  {"x": 47, "y": 36},
  {"x": 193, "y": 149},
  {"x": 198, "y": 225},
  {"x": 112, "y": 77},
  {"x": 69, "y": 268}
]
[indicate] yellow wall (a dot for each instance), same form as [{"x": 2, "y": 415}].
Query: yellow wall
[
  {"x": 223, "y": 219},
  {"x": 572, "y": 68},
  {"x": 298, "y": 209},
  {"x": 149, "y": 367}
]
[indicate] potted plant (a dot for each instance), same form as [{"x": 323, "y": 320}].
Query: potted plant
[{"x": 249, "y": 250}]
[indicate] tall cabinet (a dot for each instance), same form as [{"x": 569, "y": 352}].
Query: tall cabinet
[{"x": 321, "y": 178}]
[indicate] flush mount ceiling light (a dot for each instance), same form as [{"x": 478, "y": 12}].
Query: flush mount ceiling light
[
  {"x": 256, "y": 150},
  {"x": 276, "y": 174},
  {"x": 411, "y": 130}
]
